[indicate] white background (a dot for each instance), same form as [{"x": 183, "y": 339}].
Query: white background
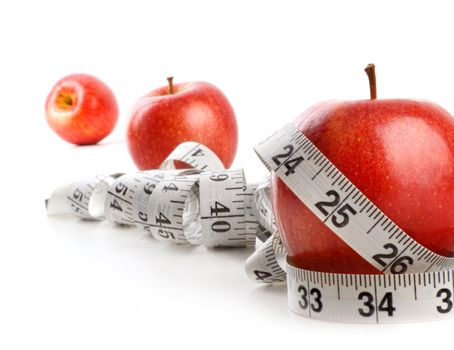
[{"x": 66, "y": 284}]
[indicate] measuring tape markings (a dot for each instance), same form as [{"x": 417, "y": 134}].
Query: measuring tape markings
[
  {"x": 264, "y": 265},
  {"x": 119, "y": 200},
  {"x": 84, "y": 198},
  {"x": 166, "y": 207},
  {"x": 145, "y": 183},
  {"x": 252, "y": 227},
  {"x": 201, "y": 158},
  {"x": 226, "y": 209},
  {"x": 263, "y": 210},
  {"x": 196, "y": 155},
  {"x": 167, "y": 204},
  {"x": 354, "y": 218},
  {"x": 127, "y": 199}
]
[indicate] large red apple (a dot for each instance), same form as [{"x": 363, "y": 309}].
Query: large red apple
[
  {"x": 170, "y": 115},
  {"x": 81, "y": 109},
  {"x": 399, "y": 153}
]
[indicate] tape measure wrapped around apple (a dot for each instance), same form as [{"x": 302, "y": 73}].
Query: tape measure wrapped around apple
[
  {"x": 360, "y": 192},
  {"x": 179, "y": 206}
]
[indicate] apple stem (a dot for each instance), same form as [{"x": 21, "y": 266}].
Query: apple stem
[
  {"x": 170, "y": 81},
  {"x": 370, "y": 70}
]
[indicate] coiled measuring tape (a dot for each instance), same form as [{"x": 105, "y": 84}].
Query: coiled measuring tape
[
  {"x": 173, "y": 205},
  {"x": 417, "y": 284}
]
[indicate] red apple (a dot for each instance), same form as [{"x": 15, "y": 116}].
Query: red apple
[
  {"x": 170, "y": 115},
  {"x": 399, "y": 153},
  {"x": 81, "y": 109}
]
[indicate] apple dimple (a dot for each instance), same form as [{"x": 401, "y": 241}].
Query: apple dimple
[{"x": 65, "y": 101}]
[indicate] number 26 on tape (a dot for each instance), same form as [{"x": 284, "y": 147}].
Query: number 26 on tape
[
  {"x": 399, "y": 264},
  {"x": 289, "y": 164}
]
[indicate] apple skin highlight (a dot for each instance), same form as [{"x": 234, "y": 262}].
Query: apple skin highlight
[{"x": 399, "y": 153}]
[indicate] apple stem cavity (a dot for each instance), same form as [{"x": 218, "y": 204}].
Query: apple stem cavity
[
  {"x": 370, "y": 71},
  {"x": 64, "y": 100},
  {"x": 170, "y": 81}
]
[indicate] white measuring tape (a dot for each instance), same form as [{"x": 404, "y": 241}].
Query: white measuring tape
[
  {"x": 226, "y": 209},
  {"x": 267, "y": 264},
  {"x": 84, "y": 199},
  {"x": 179, "y": 206},
  {"x": 418, "y": 283},
  {"x": 194, "y": 155},
  {"x": 263, "y": 210}
]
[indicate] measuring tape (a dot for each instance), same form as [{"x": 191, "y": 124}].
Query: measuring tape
[
  {"x": 267, "y": 264},
  {"x": 123, "y": 192},
  {"x": 84, "y": 199},
  {"x": 418, "y": 283},
  {"x": 173, "y": 208},
  {"x": 263, "y": 210},
  {"x": 194, "y": 155},
  {"x": 226, "y": 209},
  {"x": 178, "y": 206}
]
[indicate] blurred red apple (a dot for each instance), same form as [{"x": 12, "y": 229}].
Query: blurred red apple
[
  {"x": 173, "y": 114},
  {"x": 399, "y": 153},
  {"x": 81, "y": 109}
]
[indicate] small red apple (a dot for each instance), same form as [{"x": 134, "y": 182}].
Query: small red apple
[
  {"x": 81, "y": 109},
  {"x": 399, "y": 153},
  {"x": 170, "y": 115}
]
